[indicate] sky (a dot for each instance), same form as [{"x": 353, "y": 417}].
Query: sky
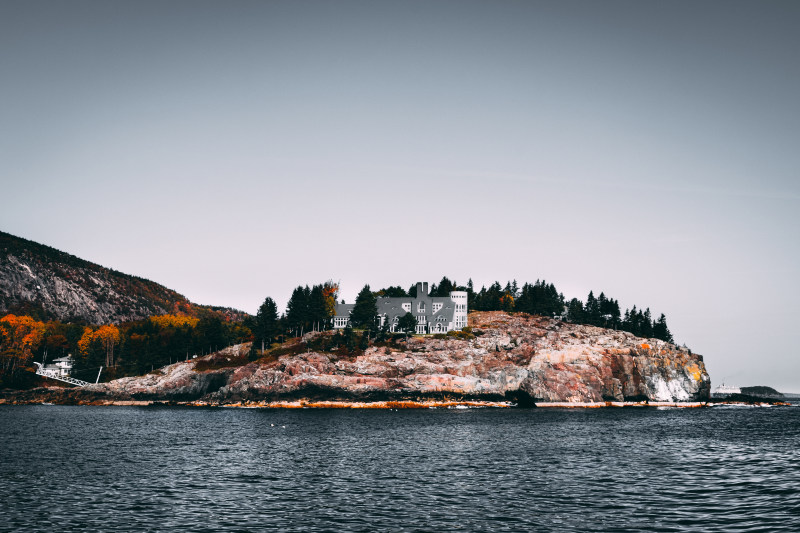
[{"x": 234, "y": 150}]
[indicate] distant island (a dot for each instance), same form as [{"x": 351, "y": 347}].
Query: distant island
[
  {"x": 501, "y": 357},
  {"x": 523, "y": 344}
]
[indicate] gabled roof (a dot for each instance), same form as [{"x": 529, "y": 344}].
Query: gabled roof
[{"x": 344, "y": 309}]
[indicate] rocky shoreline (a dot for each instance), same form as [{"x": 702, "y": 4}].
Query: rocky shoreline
[{"x": 507, "y": 359}]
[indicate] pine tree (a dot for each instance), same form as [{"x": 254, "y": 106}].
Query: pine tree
[
  {"x": 297, "y": 310},
  {"x": 365, "y": 310},
  {"x": 317, "y": 315},
  {"x": 491, "y": 300},
  {"x": 646, "y": 325},
  {"x": 363, "y": 342},
  {"x": 575, "y": 311},
  {"x": 445, "y": 287},
  {"x": 407, "y": 323},
  {"x": 349, "y": 338},
  {"x": 393, "y": 292},
  {"x": 266, "y": 324},
  {"x": 433, "y": 290},
  {"x": 524, "y": 301},
  {"x": 592, "y": 310},
  {"x": 661, "y": 331},
  {"x": 383, "y": 332}
]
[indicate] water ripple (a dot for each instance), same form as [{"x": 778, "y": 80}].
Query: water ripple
[{"x": 627, "y": 470}]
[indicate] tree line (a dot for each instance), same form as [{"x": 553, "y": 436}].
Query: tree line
[
  {"x": 538, "y": 298},
  {"x": 542, "y": 298},
  {"x": 131, "y": 348},
  {"x": 140, "y": 346}
]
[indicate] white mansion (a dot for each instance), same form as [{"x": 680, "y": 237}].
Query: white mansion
[{"x": 434, "y": 314}]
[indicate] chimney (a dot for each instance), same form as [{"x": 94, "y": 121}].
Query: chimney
[
  {"x": 425, "y": 289},
  {"x": 419, "y": 289}
]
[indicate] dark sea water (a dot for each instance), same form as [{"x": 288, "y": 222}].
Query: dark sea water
[{"x": 188, "y": 469}]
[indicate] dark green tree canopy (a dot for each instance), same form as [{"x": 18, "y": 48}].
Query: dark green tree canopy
[
  {"x": 297, "y": 308},
  {"x": 365, "y": 310},
  {"x": 407, "y": 323},
  {"x": 266, "y": 323},
  {"x": 393, "y": 292}
]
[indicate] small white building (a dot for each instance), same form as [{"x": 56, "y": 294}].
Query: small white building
[{"x": 61, "y": 367}]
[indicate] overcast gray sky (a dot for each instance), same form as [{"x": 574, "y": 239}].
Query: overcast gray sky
[{"x": 233, "y": 150}]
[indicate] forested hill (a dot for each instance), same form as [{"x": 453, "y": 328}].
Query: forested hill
[{"x": 47, "y": 284}]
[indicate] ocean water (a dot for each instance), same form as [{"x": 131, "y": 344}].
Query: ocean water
[{"x": 187, "y": 469}]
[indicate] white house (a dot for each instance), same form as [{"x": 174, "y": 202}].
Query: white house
[
  {"x": 62, "y": 366},
  {"x": 434, "y": 314}
]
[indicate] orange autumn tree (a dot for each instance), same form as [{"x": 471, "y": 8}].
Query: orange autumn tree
[
  {"x": 330, "y": 291},
  {"x": 85, "y": 342},
  {"x": 507, "y": 302},
  {"x": 19, "y": 337},
  {"x": 108, "y": 337},
  {"x": 175, "y": 321}
]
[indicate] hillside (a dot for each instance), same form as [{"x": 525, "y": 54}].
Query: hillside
[
  {"x": 49, "y": 284},
  {"x": 507, "y": 357}
]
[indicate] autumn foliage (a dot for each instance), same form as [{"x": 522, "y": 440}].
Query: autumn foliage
[
  {"x": 107, "y": 336},
  {"x": 174, "y": 321},
  {"x": 19, "y": 337}
]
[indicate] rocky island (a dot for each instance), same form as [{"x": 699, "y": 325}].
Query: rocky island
[{"x": 502, "y": 359}]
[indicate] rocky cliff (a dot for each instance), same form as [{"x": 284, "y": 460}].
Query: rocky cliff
[
  {"x": 516, "y": 357},
  {"x": 50, "y": 284}
]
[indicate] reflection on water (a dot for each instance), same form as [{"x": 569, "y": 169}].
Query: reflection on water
[{"x": 165, "y": 469}]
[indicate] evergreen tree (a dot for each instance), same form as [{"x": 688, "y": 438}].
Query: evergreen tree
[
  {"x": 470, "y": 295},
  {"x": 575, "y": 311},
  {"x": 209, "y": 335},
  {"x": 266, "y": 324},
  {"x": 393, "y": 292},
  {"x": 317, "y": 313},
  {"x": 491, "y": 300},
  {"x": 363, "y": 342},
  {"x": 297, "y": 310},
  {"x": 646, "y": 324},
  {"x": 525, "y": 301},
  {"x": 602, "y": 307},
  {"x": 592, "y": 310},
  {"x": 433, "y": 290},
  {"x": 661, "y": 331},
  {"x": 365, "y": 310},
  {"x": 479, "y": 300},
  {"x": 383, "y": 332},
  {"x": 444, "y": 288},
  {"x": 407, "y": 324},
  {"x": 349, "y": 338}
]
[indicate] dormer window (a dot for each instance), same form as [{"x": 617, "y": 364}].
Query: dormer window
[
  {"x": 421, "y": 307},
  {"x": 436, "y": 307}
]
